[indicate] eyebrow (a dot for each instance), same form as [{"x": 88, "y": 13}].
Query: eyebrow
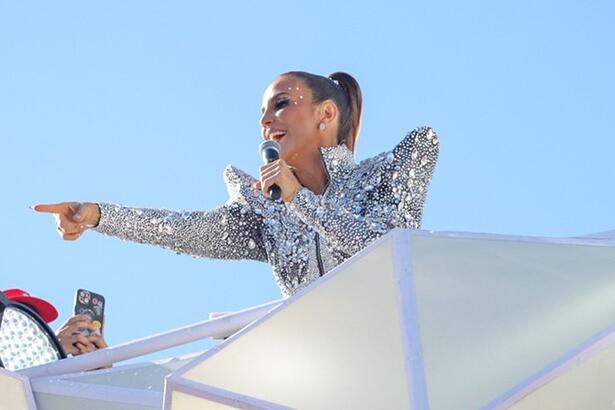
[{"x": 273, "y": 98}]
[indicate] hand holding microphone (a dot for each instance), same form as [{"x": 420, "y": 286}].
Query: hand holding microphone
[{"x": 277, "y": 180}]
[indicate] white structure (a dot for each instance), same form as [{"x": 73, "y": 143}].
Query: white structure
[{"x": 417, "y": 320}]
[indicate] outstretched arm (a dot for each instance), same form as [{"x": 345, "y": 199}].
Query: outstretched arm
[{"x": 230, "y": 231}]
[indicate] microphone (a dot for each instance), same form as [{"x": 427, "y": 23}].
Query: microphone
[{"x": 270, "y": 151}]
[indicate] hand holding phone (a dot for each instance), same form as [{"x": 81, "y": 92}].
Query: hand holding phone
[{"x": 92, "y": 305}]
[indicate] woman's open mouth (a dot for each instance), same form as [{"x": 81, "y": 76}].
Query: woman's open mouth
[{"x": 278, "y": 135}]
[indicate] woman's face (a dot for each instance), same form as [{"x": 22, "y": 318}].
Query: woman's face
[{"x": 289, "y": 117}]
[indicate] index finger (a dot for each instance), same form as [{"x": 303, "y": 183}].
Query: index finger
[
  {"x": 49, "y": 208},
  {"x": 77, "y": 327},
  {"x": 270, "y": 164},
  {"x": 81, "y": 316}
]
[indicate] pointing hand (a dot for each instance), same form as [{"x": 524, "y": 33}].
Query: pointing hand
[{"x": 72, "y": 218}]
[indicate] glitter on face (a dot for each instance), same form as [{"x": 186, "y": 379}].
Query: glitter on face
[
  {"x": 23, "y": 343},
  {"x": 361, "y": 203}
]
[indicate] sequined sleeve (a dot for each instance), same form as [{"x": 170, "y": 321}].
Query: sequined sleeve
[
  {"x": 392, "y": 195},
  {"x": 407, "y": 177},
  {"x": 230, "y": 231}
]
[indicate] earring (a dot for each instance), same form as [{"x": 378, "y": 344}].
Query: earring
[{"x": 322, "y": 126}]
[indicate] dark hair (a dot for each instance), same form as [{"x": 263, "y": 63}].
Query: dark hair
[{"x": 345, "y": 92}]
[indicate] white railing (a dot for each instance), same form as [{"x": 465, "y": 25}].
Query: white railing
[{"x": 219, "y": 327}]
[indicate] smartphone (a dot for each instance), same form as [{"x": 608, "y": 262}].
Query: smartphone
[{"x": 93, "y": 305}]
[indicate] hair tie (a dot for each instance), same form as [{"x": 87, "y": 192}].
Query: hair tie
[{"x": 336, "y": 82}]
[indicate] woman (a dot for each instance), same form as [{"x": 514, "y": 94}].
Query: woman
[{"x": 330, "y": 207}]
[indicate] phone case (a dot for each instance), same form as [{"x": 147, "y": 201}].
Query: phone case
[{"x": 93, "y": 305}]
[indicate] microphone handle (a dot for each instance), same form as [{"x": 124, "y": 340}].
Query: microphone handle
[
  {"x": 275, "y": 192},
  {"x": 270, "y": 155}
]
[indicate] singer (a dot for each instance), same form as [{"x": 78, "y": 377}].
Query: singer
[{"x": 329, "y": 208}]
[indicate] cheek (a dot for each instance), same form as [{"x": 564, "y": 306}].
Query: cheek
[
  {"x": 295, "y": 119},
  {"x": 288, "y": 121}
]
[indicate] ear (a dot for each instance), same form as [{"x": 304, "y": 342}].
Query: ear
[{"x": 327, "y": 113}]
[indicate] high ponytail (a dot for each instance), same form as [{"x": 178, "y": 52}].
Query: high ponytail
[
  {"x": 345, "y": 92},
  {"x": 350, "y": 124}
]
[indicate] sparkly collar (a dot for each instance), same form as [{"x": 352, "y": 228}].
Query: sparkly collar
[{"x": 338, "y": 160}]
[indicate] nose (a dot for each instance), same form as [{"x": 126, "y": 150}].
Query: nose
[{"x": 266, "y": 119}]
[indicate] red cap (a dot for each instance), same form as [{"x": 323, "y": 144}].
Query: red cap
[{"x": 45, "y": 309}]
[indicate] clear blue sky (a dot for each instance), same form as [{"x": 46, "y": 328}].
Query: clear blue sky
[{"x": 144, "y": 103}]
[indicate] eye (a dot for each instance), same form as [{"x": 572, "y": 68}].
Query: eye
[{"x": 281, "y": 103}]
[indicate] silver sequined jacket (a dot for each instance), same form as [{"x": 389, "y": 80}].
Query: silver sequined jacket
[{"x": 304, "y": 239}]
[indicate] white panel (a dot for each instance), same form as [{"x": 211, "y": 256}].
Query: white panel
[
  {"x": 494, "y": 312},
  {"x": 589, "y": 385},
  {"x": 123, "y": 387},
  {"x": 337, "y": 345},
  {"x": 148, "y": 376},
  {"x": 46, "y": 401},
  {"x": 14, "y": 394},
  {"x": 183, "y": 401},
  {"x": 75, "y": 391}
]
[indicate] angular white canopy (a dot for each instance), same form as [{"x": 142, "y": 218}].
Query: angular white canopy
[{"x": 417, "y": 320}]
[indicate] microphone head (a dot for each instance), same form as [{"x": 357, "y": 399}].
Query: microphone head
[
  {"x": 270, "y": 151},
  {"x": 269, "y": 144}
]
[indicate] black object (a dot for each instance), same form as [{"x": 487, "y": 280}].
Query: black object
[
  {"x": 93, "y": 305},
  {"x": 29, "y": 351},
  {"x": 270, "y": 151}
]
